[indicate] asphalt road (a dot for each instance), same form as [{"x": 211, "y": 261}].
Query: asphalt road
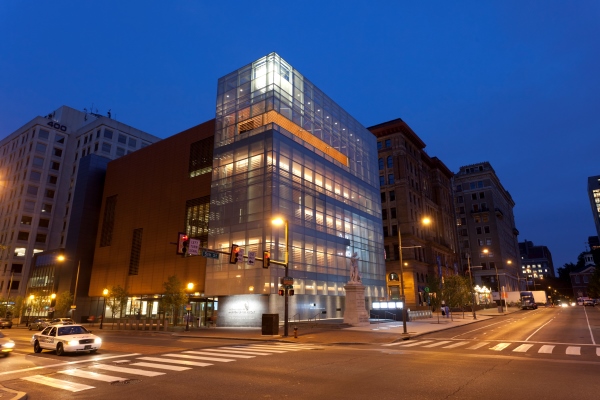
[{"x": 475, "y": 361}]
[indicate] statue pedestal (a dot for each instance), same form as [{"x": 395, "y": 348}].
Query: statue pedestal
[{"x": 355, "y": 313}]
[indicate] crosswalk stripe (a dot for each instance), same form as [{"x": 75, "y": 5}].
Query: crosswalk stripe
[
  {"x": 457, "y": 344},
  {"x": 546, "y": 349},
  {"x": 161, "y": 366},
  {"x": 257, "y": 349},
  {"x": 57, "y": 383},
  {"x": 438, "y": 343},
  {"x": 574, "y": 351},
  {"x": 198, "y": 357},
  {"x": 134, "y": 371},
  {"x": 500, "y": 346},
  {"x": 416, "y": 343},
  {"x": 478, "y": 345},
  {"x": 221, "y": 350},
  {"x": 245, "y": 351},
  {"x": 598, "y": 351},
  {"x": 275, "y": 348},
  {"x": 211, "y": 353},
  {"x": 523, "y": 348},
  {"x": 171, "y": 361},
  {"x": 393, "y": 344},
  {"x": 92, "y": 375}
]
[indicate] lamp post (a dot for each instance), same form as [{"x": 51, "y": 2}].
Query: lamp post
[
  {"x": 31, "y": 297},
  {"x": 104, "y": 294},
  {"x": 404, "y": 313},
  {"x": 190, "y": 287},
  {"x": 279, "y": 221},
  {"x": 471, "y": 280},
  {"x": 52, "y": 303}
]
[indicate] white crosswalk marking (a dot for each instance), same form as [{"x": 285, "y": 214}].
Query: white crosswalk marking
[
  {"x": 92, "y": 375},
  {"x": 546, "y": 349},
  {"x": 198, "y": 357},
  {"x": 223, "y": 350},
  {"x": 438, "y": 343},
  {"x": 57, "y": 383},
  {"x": 416, "y": 343},
  {"x": 257, "y": 349},
  {"x": 393, "y": 344},
  {"x": 523, "y": 348},
  {"x": 215, "y": 353},
  {"x": 598, "y": 351},
  {"x": 170, "y": 361},
  {"x": 478, "y": 345},
  {"x": 500, "y": 346},
  {"x": 457, "y": 344},
  {"x": 161, "y": 366},
  {"x": 574, "y": 351},
  {"x": 134, "y": 371},
  {"x": 238, "y": 350}
]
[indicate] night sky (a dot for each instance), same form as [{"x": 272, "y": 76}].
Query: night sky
[{"x": 515, "y": 83}]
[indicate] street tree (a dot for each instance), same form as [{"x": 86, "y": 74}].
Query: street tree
[
  {"x": 63, "y": 304},
  {"x": 173, "y": 297},
  {"x": 593, "y": 288},
  {"x": 117, "y": 300},
  {"x": 456, "y": 291}
]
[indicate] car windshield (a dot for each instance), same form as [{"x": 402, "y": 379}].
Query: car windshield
[{"x": 71, "y": 330}]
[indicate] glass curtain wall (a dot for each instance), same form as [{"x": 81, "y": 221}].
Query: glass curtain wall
[{"x": 284, "y": 149}]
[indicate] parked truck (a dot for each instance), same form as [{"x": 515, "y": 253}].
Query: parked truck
[{"x": 528, "y": 301}]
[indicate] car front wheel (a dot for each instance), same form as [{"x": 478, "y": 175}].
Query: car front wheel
[
  {"x": 36, "y": 347},
  {"x": 60, "y": 349}
]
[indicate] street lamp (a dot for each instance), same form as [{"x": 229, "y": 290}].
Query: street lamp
[
  {"x": 52, "y": 303},
  {"x": 278, "y": 222},
  {"x": 404, "y": 313},
  {"x": 471, "y": 280},
  {"x": 104, "y": 293},
  {"x": 31, "y": 297},
  {"x": 190, "y": 287}
]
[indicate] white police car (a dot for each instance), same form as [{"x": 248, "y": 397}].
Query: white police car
[{"x": 65, "y": 339}]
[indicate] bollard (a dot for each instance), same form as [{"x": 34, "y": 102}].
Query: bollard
[{"x": 295, "y": 332}]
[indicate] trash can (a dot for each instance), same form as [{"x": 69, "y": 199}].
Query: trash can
[{"x": 270, "y": 324}]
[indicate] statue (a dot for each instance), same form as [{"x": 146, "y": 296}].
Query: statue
[{"x": 354, "y": 273}]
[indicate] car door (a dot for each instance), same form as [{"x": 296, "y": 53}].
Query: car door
[{"x": 47, "y": 337}]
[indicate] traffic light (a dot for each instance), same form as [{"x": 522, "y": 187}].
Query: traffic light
[
  {"x": 186, "y": 245},
  {"x": 182, "y": 243},
  {"x": 281, "y": 292},
  {"x": 266, "y": 259},
  {"x": 233, "y": 258}
]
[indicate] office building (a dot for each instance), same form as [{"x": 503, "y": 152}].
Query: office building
[
  {"x": 594, "y": 195},
  {"x": 416, "y": 198},
  {"x": 39, "y": 166},
  {"x": 487, "y": 233},
  {"x": 536, "y": 262}
]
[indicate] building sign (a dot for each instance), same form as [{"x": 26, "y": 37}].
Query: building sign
[{"x": 243, "y": 310}]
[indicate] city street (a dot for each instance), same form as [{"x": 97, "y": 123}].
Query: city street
[{"x": 554, "y": 350}]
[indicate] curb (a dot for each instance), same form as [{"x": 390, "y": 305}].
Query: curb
[{"x": 17, "y": 395}]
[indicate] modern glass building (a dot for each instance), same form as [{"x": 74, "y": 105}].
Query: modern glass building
[{"x": 285, "y": 149}]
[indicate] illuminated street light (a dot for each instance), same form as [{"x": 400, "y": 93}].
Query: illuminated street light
[
  {"x": 190, "y": 287},
  {"x": 104, "y": 293},
  {"x": 278, "y": 221}
]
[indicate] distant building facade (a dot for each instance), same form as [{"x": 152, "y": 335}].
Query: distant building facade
[
  {"x": 536, "y": 262},
  {"x": 39, "y": 168},
  {"x": 580, "y": 279},
  {"x": 414, "y": 186},
  {"x": 486, "y": 228},
  {"x": 593, "y": 189}
]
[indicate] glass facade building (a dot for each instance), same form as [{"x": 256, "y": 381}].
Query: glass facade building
[{"x": 284, "y": 149}]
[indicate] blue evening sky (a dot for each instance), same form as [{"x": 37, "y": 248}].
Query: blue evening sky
[{"x": 512, "y": 82}]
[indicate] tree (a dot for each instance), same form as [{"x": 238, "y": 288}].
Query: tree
[
  {"x": 173, "y": 297},
  {"x": 457, "y": 291},
  {"x": 593, "y": 288},
  {"x": 64, "y": 301},
  {"x": 117, "y": 300}
]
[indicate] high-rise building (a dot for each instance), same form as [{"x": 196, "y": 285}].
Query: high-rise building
[
  {"x": 536, "y": 261},
  {"x": 594, "y": 195},
  {"x": 39, "y": 164},
  {"x": 279, "y": 147},
  {"x": 487, "y": 233},
  {"x": 416, "y": 198}
]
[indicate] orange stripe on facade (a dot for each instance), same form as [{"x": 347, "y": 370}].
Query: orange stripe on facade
[{"x": 276, "y": 118}]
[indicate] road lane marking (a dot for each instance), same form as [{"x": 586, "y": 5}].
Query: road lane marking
[
  {"x": 536, "y": 331},
  {"x": 458, "y": 344},
  {"x": 478, "y": 345},
  {"x": 65, "y": 364},
  {"x": 241, "y": 350},
  {"x": 182, "y": 362},
  {"x": 198, "y": 357},
  {"x": 276, "y": 348},
  {"x": 257, "y": 349},
  {"x": 237, "y": 351},
  {"x": 438, "y": 343},
  {"x": 573, "y": 351},
  {"x": 500, "y": 346},
  {"x": 91, "y": 375},
  {"x": 160, "y": 366},
  {"x": 546, "y": 349},
  {"x": 133, "y": 371},
  {"x": 523, "y": 348},
  {"x": 589, "y": 327},
  {"x": 57, "y": 383},
  {"x": 214, "y": 353}
]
